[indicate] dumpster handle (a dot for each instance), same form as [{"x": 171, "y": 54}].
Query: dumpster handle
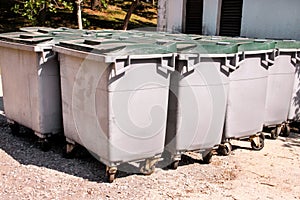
[
  {"x": 121, "y": 71},
  {"x": 297, "y": 57},
  {"x": 44, "y": 54},
  {"x": 268, "y": 59},
  {"x": 271, "y": 61},
  {"x": 242, "y": 60},
  {"x": 237, "y": 63},
  {"x": 228, "y": 65},
  {"x": 128, "y": 66},
  {"x": 166, "y": 66},
  {"x": 191, "y": 68},
  {"x": 124, "y": 69}
]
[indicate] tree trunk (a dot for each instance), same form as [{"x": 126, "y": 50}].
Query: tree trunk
[
  {"x": 79, "y": 18},
  {"x": 134, "y": 4},
  {"x": 42, "y": 16},
  {"x": 96, "y": 4}
]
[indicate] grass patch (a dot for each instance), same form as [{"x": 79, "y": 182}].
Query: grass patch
[{"x": 145, "y": 15}]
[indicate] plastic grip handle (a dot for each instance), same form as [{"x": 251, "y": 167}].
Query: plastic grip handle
[
  {"x": 45, "y": 58},
  {"x": 296, "y": 56},
  {"x": 233, "y": 67},
  {"x": 275, "y": 53},
  {"x": 269, "y": 60},
  {"x": 168, "y": 68},
  {"x": 230, "y": 66},
  {"x": 124, "y": 69}
]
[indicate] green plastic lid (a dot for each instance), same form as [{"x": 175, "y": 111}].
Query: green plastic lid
[
  {"x": 245, "y": 44},
  {"x": 256, "y": 45},
  {"x": 207, "y": 47},
  {"x": 287, "y": 44},
  {"x": 26, "y": 37},
  {"x": 118, "y": 47}
]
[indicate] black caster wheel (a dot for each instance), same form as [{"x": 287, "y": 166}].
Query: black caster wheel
[
  {"x": 224, "y": 149},
  {"x": 68, "y": 155},
  {"x": 14, "y": 128},
  {"x": 208, "y": 158},
  {"x": 261, "y": 143},
  {"x": 45, "y": 145},
  {"x": 111, "y": 174},
  {"x": 111, "y": 177},
  {"x": 285, "y": 130},
  {"x": 69, "y": 151},
  {"x": 174, "y": 164},
  {"x": 148, "y": 167},
  {"x": 275, "y": 133},
  {"x": 147, "y": 172}
]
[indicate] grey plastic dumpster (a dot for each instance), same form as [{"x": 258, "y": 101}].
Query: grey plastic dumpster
[
  {"x": 294, "y": 110},
  {"x": 280, "y": 88},
  {"x": 198, "y": 99},
  {"x": 247, "y": 95},
  {"x": 114, "y": 97},
  {"x": 31, "y": 84}
]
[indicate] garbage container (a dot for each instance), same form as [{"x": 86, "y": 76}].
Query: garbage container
[
  {"x": 280, "y": 88},
  {"x": 247, "y": 95},
  {"x": 294, "y": 110},
  {"x": 114, "y": 97},
  {"x": 31, "y": 83},
  {"x": 198, "y": 99}
]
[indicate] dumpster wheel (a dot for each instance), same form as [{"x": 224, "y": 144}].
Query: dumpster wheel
[
  {"x": 14, "y": 128},
  {"x": 208, "y": 158},
  {"x": 44, "y": 144},
  {"x": 275, "y": 132},
  {"x": 257, "y": 142},
  {"x": 225, "y": 149},
  {"x": 111, "y": 173},
  {"x": 174, "y": 164},
  {"x": 148, "y": 167},
  {"x": 68, "y": 151},
  {"x": 285, "y": 130}
]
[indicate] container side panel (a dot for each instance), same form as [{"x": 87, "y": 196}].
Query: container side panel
[
  {"x": 200, "y": 108},
  {"x": 246, "y": 99},
  {"x": 19, "y": 77},
  {"x": 279, "y": 91},
  {"x": 50, "y": 93},
  {"x": 294, "y": 112},
  {"x": 138, "y": 111}
]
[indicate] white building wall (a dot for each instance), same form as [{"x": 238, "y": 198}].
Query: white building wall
[
  {"x": 162, "y": 19},
  {"x": 271, "y": 19},
  {"x": 261, "y": 18},
  {"x": 210, "y": 17},
  {"x": 170, "y": 15}
]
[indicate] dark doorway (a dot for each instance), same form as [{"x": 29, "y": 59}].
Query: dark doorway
[
  {"x": 193, "y": 20},
  {"x": 231, "y": 17}
]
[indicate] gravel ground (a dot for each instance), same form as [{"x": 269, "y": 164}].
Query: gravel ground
[{"x": 26, "y": 172}]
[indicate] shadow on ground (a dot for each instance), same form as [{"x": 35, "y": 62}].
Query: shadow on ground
[
  {"x": 292, "y": 141},
  {"x": 25, "y": 148}
]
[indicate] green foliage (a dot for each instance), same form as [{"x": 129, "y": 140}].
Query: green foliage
[
  {"x": 33, "y": 8},
  {"x": 104, "y": 3},
  {"x": 86, "y": 23}
]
